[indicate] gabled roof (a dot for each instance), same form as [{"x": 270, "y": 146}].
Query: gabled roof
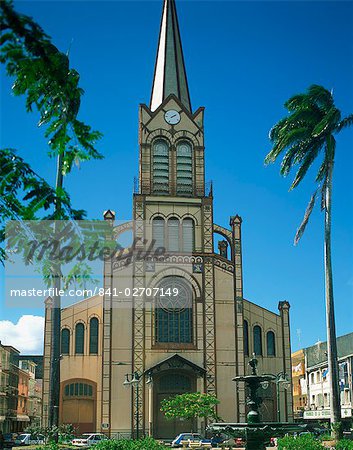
[
  {"x": 169, "y": 73},
  {"x": 176, "y": 362}
]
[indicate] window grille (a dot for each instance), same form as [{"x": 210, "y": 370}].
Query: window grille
[
  {"x": 160, "y": 167},
  {"x": 158, "y": 232},
  {"x": 173, "y": 235},
  {"x": 78, "y": 390},
  {"x": 184, "y": 169},
  {"x": 188, "y": 235},
  {"x": 173, "y": 314}
]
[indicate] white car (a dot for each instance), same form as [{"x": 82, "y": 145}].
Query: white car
[
  {"x": 28, "y": 439},
  {"x": 88, "y": 439}
]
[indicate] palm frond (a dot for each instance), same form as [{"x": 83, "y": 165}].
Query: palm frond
[
  {"x": 308, "y": 211},
  {"x": 306, "y": 164},
  {"x": 344, "y": 123},
  {"x": 328, "y": 123},
  {"x": 321, "y": 96},
  {"x": 298, "y": 101}
]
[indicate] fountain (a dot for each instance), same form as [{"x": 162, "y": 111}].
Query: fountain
[{"x": 255, "y": 432}]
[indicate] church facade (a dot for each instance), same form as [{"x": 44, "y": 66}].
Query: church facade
[{"x": 176, "y": 319}]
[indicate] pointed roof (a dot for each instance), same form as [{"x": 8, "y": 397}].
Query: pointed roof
[{"x": 169, "y": 73}]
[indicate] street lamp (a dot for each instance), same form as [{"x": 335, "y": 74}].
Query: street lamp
[{"x": 133, "y": 380}]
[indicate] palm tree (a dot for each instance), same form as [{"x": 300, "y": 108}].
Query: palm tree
[{"x": 305, "y": 134}]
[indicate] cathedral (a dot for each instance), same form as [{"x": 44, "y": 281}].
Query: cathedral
[{"x": 174, "y": 320}]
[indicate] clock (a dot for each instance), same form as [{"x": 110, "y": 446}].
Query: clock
[{"x": 172, "y": 117}]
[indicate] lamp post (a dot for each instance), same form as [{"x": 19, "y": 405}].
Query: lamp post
[{"x": 133, "y": 381}]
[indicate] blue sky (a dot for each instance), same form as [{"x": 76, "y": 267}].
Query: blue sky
[{"x": 243, "y": 60}]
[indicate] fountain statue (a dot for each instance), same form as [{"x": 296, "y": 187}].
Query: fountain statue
[{"x": 256, "y": 433}]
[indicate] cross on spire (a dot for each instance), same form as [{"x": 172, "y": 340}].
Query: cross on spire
[{"x": 169, "y": 73}]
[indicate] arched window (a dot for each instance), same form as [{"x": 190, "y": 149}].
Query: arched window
[
  {"x": 78, "y": 390},
  {"x": 158, "y": 229},
  {"x": 257, "y": 340},
  {"x": 271, "y": 344},
  {"x": 188, "y": 235},
  {"x": 65, "y": 341},
  {"x": 93, "y": 336},
  {"x": 246, "y": 338},
  {"x": 184, "y": 169},
  {"x": 173, "y": 235},
  {"x": 160, "y": 167},
  {"x": 79, "y": 339},
  {"x": 173, "y": 312}
]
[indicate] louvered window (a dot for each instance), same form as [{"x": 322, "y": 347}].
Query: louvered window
[
  {"x": 65, "y": 341},
  {"x": 158, "y": 232},
  {"x": 184, "y": 169},
  {"x": 173, "y": 235},
  {"x": 79, "y": 339},
  {"x": 188, "y": 235},
  {"x": 160, "y": 167}
]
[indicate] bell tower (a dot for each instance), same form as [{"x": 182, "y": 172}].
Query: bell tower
[{"x": 170, "y": 134}]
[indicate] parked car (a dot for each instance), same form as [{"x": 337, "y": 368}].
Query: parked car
[
  {"x": 29, "y": 439},
  {"x": 9, "y": 440},
  {"x": 88, "y": 439},
  {"x": 191, "y": 437}
]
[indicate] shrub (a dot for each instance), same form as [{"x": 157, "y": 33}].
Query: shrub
[
  {"x": 344, "y": 444},
  {"x": 306, "y": 442},
  {"x": 129, "y": 444}
]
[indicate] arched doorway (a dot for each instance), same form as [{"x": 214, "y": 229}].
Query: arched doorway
[
  {"x": 78, "y": 404},
  {"x": 166, "y": 385}
]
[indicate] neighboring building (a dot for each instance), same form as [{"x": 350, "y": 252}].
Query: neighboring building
[
  {"x": 197, "y": 340},
  {"x": 300, "y": 398},
  {"x": 315, "y": 380},
  {"x": 20, "y": 391},
  {"x": 23, "y": 420},
  {"x": 34, "y": 400},
  {"x": 34, "y": 364},
  {"x": 9, "y": 381}
]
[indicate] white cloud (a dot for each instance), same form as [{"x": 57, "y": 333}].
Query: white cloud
[{"x": 26, "y": 335}]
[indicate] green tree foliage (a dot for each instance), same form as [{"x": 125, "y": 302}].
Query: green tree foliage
[
  {"x": 308, "y": 131},
  {"x": 190, "y": 406},
  {"x": 43, "y": 75},
  {"x": 305, "y": 134}
]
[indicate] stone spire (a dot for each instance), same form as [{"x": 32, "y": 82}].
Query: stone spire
[{"x": 169, "y": 73}]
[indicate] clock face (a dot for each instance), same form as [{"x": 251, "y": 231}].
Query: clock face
[{"x": 172, "y": 117}]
